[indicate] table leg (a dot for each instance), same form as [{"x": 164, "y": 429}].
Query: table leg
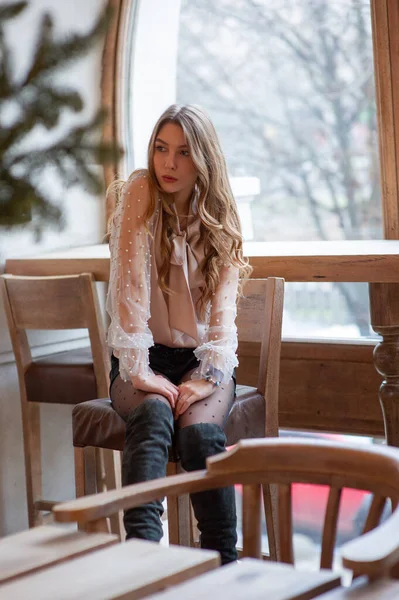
[{"x": 384, "y": 314}]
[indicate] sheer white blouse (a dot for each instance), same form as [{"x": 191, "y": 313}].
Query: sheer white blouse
[{"x": 142, "y": 314}]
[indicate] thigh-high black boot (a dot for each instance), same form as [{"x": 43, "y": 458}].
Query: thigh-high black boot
[
  {"x": 215, "y": 510},
  {"x": 149, "y": 431}
]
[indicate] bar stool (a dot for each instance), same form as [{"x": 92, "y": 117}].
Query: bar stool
[{"x": 71, "y": 377}]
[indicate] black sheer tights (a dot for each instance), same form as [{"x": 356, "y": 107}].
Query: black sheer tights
[{"x": 213, "y": 409}]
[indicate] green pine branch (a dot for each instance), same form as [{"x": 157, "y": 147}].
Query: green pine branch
[
  {"x": 40, "y": 100},
  {"x": 51, "y": 54},
  {"x": 10, "y": 11}
]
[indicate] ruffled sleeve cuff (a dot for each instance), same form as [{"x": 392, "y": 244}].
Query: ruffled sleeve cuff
[
  {"x": 216, "y": 357},
  {"x": 132, "y": 351},
  {"x": 134, "y": 362}
]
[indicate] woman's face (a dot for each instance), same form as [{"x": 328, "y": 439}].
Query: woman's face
[{"x": 174, "y": 168}]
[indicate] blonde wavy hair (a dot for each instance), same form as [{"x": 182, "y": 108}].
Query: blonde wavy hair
[{"x": 220, "y": 228}]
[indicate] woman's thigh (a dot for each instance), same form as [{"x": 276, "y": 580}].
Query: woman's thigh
[
  {"x": 125, "y": 397},
  {"x": 213, "y": 409}
]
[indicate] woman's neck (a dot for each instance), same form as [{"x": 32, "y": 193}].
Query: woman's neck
[{"x": 182, "y": 201}]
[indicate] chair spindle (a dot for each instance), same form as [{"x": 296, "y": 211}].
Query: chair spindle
[
  {"x": 330, "y": 528},
  {"x": 285, "y": 524},
  {"x": 375, "y": 512},
  {"x": 251, "y": 520}
]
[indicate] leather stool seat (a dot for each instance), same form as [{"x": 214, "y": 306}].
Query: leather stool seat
[
  {"x": 62, "y": 378},
  {"x": 96, "y": 424}
]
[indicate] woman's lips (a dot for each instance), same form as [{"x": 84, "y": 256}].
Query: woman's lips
[{"x": 169, "y": 179}]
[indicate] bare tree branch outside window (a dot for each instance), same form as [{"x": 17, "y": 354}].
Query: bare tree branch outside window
[{"x": 290, "y": 86}]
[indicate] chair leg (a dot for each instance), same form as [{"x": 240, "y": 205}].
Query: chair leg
[
  {"x": 113, "y": 480},
  {"x": 184, "y": 515},
  {"x": 33, "y": 462},
  {"x": 179, "y": 514},
  {"x": 79, "y": 460},
  {"x": 194, "y": 531},
  {"x": 270, "y": 502},
  {"x": 85, "y": 471},
  {"x": 173, "y": 509},
  {"x": 188, "y": 532},
  {"x": 270, "y": 492},
  {"x": 100, "y": 471}
]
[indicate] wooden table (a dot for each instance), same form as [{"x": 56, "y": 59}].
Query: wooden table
[
  {"x": 371, "y": 261},
  {"x": 375, "y": 262},
  {"x": 382, "y": 589},
  {"x": 254, "y": 580},
  {"x": 41, "y": 547},
  {"x": 133, "y": 569}
]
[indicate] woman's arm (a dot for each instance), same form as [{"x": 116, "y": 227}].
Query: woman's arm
[
  {"x": 218, "y": 352},
  {"x": 128, "y": 300}
]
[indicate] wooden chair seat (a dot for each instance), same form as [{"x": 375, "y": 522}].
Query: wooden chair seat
[
  {"x": 97, "y": 424},
  {"x": 40, "y": 547},
  {"x": 363, "y": 589},
  {"x": 62, "y": 378},
  {"x": 134, "y": 569},
  {"x": 254, "y": 579}
]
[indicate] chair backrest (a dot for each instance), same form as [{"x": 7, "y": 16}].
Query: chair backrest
[
  {"x": 283, "y": 462},
  {"x": 259, "y": 323},
  {"x": 259, "y": 319},
  {"x": 54, "y": 303},
  {"x": 336, "y": 465}
]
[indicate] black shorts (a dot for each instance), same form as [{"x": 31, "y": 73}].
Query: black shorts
[{"x": 173, "y": 363}]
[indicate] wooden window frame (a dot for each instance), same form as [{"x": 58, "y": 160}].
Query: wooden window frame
[
  {"x": 385, "y": 27},
  {"x": 385, "y": 31},
  {"x": 113, "y": 82}
]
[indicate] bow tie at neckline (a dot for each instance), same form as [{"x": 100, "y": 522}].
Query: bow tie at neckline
[{"x": 179, "y": 248}]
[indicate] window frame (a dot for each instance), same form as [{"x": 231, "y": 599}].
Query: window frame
[{"x": 385, "y": 32}]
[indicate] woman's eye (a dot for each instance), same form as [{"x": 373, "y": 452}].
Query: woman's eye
[
  {"x": 159, "y": 148},
  {"x": 185, "y": 153}
]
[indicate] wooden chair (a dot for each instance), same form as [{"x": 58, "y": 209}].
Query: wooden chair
[
  {"x": 44, "y": 546},
  {"x": 254, "y": 580},
  {"x": 135, "y": 569},
  {"x": 282, "y": 462},
  {"x": 254, "y": 413},
  {"x": 55, "y": 303}
]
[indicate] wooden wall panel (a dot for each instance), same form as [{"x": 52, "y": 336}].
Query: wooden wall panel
[{"x": 323, "y": 387}]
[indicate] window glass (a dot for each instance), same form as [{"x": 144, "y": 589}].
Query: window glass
[{"x": 290, "y": 87}]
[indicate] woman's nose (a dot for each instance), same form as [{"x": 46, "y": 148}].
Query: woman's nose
[{"x": 170, "y": 162}]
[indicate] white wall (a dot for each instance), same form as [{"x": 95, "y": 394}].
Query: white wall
[{"x": 84, "y": 217}]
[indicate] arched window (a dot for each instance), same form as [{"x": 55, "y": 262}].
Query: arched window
[{"x": 290, "y": 87}]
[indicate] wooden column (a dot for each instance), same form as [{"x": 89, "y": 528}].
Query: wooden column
[
  {"x": 384, "y": 297},
  {"x": 384, "y": 311}
]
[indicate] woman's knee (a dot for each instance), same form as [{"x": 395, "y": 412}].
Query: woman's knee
[
  {"x": 196, "y": 442},
  {"x": 151, "y": 410}
]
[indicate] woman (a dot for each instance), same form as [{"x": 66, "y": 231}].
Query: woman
[{"x": 176, "y": 258}]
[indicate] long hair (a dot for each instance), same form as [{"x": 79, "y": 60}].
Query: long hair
[{"x": 220, "y": 227}]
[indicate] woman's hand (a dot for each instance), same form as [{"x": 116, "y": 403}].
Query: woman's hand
[
  {"x": 159, "y": 385},
  {"x": 191, "y": 391}
]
